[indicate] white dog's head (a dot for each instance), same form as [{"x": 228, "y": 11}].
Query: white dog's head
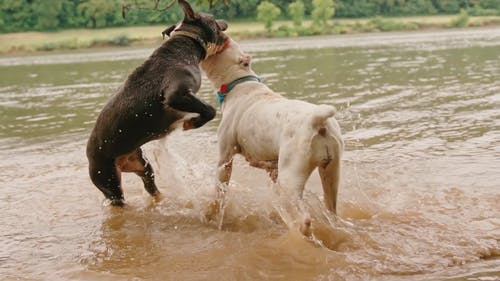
[{"x": 228, "y": 65}]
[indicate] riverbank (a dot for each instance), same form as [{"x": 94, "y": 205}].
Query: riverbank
[{"x": 148, "y": 36}]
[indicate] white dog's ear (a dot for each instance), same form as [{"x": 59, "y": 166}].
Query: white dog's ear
[{"x": 245, "y": 60}]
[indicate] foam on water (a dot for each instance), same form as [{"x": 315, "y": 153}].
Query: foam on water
[{"x": 413, "y": 234}]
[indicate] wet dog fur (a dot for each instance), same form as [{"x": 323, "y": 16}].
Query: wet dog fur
[{"x": 153, "y": 101}]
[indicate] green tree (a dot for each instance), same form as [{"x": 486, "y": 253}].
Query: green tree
[
  {"x": 423, "y": 7},
  {"x": 23, "y": 15},
  {"x": 359, "y": 8},
  {"x": 297, "y": 10},
  {"x": 70, "y": 17},
  {"x": 323, "y": 11},
  {"x": 47, "y": 14},
  {"x": 267, "y": 12},
  {"x": 448, "y": 6},
  {"x": 490, "y": 4},
  {"x": 16, "y": 15},
  {"x": 237, "y": 9},
  {"x": 99, "y": 12},
  {"x": 461, "y": 20}
]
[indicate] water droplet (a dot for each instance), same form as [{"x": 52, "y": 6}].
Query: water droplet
[
  {"x": 136, "y": 115},
  {"x": 119, "y": 130},
  {"x": 99, "y": 171},
  {"x": 100, "y": 147}
]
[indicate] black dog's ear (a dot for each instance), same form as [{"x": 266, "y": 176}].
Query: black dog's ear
[
  {"x": 189, "y": 14},
  {"x": 221, "y": 24},
  {"x": 168, "y": 30}
]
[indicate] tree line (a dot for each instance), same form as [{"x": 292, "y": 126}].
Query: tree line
[{"x": 45, "y": 15}]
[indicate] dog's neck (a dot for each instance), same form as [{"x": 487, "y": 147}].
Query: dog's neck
[
  {"x": 226, "y": 76},
  {"x": 227, "y": 66},
  {"x": 226, "y": 88},
  {"x": 182, "y": 48},
  {"x": 208, "y": 48}
]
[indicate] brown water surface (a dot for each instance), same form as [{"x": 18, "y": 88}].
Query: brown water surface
[{"x": 420, "y": 192}]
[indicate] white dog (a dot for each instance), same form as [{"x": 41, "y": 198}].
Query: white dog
[{"x": 288, "y": 138}]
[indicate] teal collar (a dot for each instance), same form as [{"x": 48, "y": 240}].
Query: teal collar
[{"x": 226, "y": 88}]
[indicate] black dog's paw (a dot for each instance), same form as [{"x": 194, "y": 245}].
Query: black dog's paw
[{"x": 117, "y": 202}]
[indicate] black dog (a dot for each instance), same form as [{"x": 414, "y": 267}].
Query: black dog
[{"x": 152, "y": 102}]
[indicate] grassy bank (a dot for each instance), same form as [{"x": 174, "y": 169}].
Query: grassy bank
[{"x": 27, "y": 42}]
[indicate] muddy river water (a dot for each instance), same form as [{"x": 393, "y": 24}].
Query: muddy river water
[{"x": 420, "y": 190}]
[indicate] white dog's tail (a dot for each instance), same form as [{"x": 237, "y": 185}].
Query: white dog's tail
[
  {"x": 326, "y": 149},
  {"x": 322, "y": 114},
  {"x": 326, "y": 142}
]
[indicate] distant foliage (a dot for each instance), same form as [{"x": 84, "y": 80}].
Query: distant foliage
[
  {"x": 16, "y": 15},
  {"x": 323, "y": 11},
  {"x": 47, "y": 14},
  {"x": 267, "y": 13},
  {"x": 24, "y": 15},
  {"x": 381, "y": 24},
  {"x": 237, "y": 9},
  {"x": 490, "y": 4},
  {"x": 99, "y": 13},
  {"x": 297, "y": 11},
  {"x": 372, "y": 8},
  {"x": 461, "y": 20},
  {"x": 448, "y": 6}
]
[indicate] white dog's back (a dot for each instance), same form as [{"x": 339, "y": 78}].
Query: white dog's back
[{"x": 288, "y": 138}]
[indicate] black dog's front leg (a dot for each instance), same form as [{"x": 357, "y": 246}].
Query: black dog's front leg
[{"x": 185, "y": 100}]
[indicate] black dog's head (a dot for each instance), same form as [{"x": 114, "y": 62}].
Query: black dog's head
[{"x": 204, "y": 25}]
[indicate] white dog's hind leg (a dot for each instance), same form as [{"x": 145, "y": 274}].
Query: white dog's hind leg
[{"x": 292, "y": 177}]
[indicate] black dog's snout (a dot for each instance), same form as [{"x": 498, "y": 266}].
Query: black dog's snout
[{"x": 221, "y": 24}]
